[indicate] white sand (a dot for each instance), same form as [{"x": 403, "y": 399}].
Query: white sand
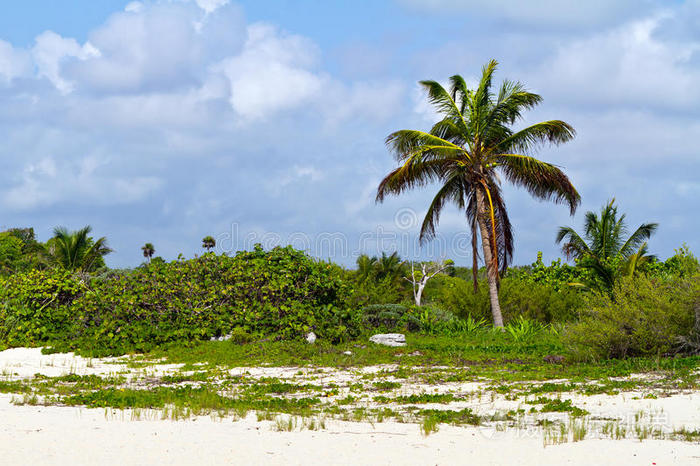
[
  {"x": 70, "y": 435},
  {"x": 26, "y": 362},
  {"x": 66, "y": 435}
]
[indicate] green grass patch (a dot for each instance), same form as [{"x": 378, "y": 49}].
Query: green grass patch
[{"x": 559, "y": 406}]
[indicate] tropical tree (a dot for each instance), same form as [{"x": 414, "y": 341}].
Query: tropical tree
[
  {"x": 148, "y": 251},
  {"x": 366, "y": 267},
  {"x": 19, "y": 251},
  {"x": 603, "y": 249},
  {"x": 468, "y": 152},
  {"x": 208, "y": 243},
  {"x": 76, "y": 250},
  {"x": 389, "y": 266}
]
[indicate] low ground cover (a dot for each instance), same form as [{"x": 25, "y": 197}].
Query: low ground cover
[{"x": 428, "y": 383}]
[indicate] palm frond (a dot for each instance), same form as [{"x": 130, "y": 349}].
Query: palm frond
[
  {"x": 409, "y": 143},
  {"x": 444, "y": 102},
  {"x": 638, "y": 238},
  {"x": 460, "y": 92},
  {"x": 542, "y": 180},
  {"x": 449, "y": 130},
  {"x": 574, "y": 247},
  {"x": 482, "y": 96},
  {"x": 453, "y": 190},
  {"x": 512, "y": 100},
  {"x": 529, "y": 139},
  {"x": 636, "y": 260},
  {"x": 413, "y": 173}
]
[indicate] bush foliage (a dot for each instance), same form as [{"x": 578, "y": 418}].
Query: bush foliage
[
  {"x": 642, "y": 316},
  {"x": 282, "y": 293},
  {"x": 390, "y": 318},
  {"x": 519, "y": 297}
]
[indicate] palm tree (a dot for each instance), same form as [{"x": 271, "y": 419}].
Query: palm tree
[
  {"x": 208, "y": 242},
  {"x": 366, "y": 267},
  {"x": 148, "y": 251},
  {"x": 390, "y": 266},
  {"x": 467, "y": 151},
  {"x": 76, "y": 250},
  {"x": 603, "y": 248}
]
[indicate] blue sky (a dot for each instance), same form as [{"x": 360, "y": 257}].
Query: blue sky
[{"x": 165, "y": 121}]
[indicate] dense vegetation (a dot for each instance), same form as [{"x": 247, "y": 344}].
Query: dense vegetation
[{"x": 283, "y": 294}]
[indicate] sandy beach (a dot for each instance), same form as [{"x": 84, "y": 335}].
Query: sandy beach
[
  {"x": 74, "y": 435},
  {"x": 67, "y": 435}
]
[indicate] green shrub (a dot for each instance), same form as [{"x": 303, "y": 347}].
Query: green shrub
[
  {"x": 682, "y": 264},
  {"x": 389, "y": 317},
  {"x": 523, "y": 329},
  {"x": 642, "y": 316},
  {"x": 538, "y": 301},
  {"x": 239, "y": 336},
  {"x": 436, "y": 321},
  {"x": 282, "y": 293},
  {"x": 457, "y": 296},
  {"x": 376, "y": 290},
  {"x": 557, "y": 275},
  {"x": 35, "y": 307},
  {"x": 519, "y": 297}
]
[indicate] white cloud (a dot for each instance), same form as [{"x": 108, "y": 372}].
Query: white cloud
[
  {"x": 45, "y": 183},
  {"x": 302, "y": 174},
  {"x": 159, "y": 47},
  {"x": 14, "y": 63},
  {"x": 50, "y": 50},
  {"x": 272, "y": 73},
  {"x": 210, "y": 6},
  {"x": 628, "y": 65},
  {"x": 372, "y": 100},
  {"x": 134, "y": 7}
]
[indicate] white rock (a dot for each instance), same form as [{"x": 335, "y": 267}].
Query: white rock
[
  {"x": 311, "y": 337},
  {"x": 389, "y": 339},
  {"x": 347, "y": 353}
]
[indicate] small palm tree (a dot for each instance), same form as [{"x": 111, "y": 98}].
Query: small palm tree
[
  {"x": 366, "y": 267},
  {"x": 208, "y": 243},
  {"x": 389, "y": 266},
  {"x": 148, "y": 251},
  {"x": 603, "y": 248},
  {"x": 468, "y": 152},
  {"x": 76, "y": 250}
]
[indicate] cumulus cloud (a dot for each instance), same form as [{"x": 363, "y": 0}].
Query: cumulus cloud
[
  {"x": 628, "y": 65},
  {"x": 14, "y": 63},
  {"x": 45, "y": 184},
  {"x": 51, "y": 50},
  {"x": 159, "y": 47},
  {"x": 272, "y": 73}
]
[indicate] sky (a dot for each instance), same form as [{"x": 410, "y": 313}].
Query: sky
[{"x": 264, "y": 122}]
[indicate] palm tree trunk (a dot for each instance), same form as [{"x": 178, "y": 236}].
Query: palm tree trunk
[{"x": 491, "y": 271}]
